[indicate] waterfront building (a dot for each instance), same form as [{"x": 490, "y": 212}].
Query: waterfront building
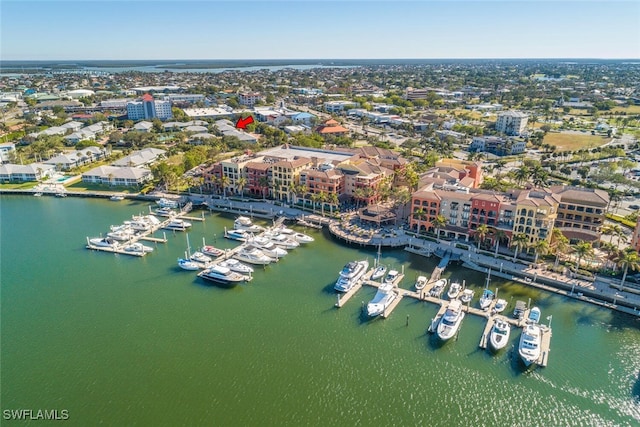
[
  {"x": 536, "y": 211},
  {"x": 511, "y": 122},
  {"x": 285, "y": 174},
  {"x": 581, "y": 213},
  {"x": 258, "y": 175},
  {"x": 323, "y": 179},
  {"x": 363, "y": 177},
  {"x": 112, "y": 175},
  {"x": 21, "y": 173},
  {"x": 148, "y": 108},
  {"x": 143, "y": 157},
  {"x": 74, "y": 159}
]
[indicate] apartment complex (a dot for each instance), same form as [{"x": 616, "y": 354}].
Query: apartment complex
[
  {"x": 581, "y": 212},
  {"x": 249, "y": 99},
  {"x": 148, "y": 108},
  {"x": 511, "y": 122},
  {"x": 497, "y": 145}
]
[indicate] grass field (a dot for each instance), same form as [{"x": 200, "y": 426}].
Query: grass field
[{"x": 574, "y": 141}]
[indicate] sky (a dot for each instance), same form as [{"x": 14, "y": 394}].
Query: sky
[{"x": 354, "y": 29}]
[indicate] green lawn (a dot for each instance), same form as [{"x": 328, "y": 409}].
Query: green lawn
[
  {"x": 19, "y": 185},
  {"x": 574, "y": 141}
]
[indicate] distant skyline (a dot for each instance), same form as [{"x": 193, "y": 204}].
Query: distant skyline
[{"x": 148, "y": 29}]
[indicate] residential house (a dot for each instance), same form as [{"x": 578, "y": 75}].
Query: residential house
[
  {"x": 21, "y": 173},
  {"x": 143, "y": 157},
  {"x": 122, "y": 176}
]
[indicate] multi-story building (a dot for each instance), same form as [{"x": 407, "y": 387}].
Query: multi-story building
[
  {"x": 497, "y": 145},
  {"x": 323, "y": 180},
  {"x": 536, "y": 211},
  {"x": 285, "y": 175},
  {"x": 362, "y": 178},
  {"x": 511, "y": 122},
  {"x": 258, "y": 178},
  {"x": 148, "y": 108},
  {"x": 7, "y": 152},
  {"x": 339, "y": 106},
  {"x": 581, "y": 212},
  {"x": 249, "y": 98},
  {"x": 469, "y": 173}
]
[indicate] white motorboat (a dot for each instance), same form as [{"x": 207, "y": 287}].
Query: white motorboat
[
  {"x": 451, "y": 320},
  {"x": 486, "y": 299},
  {"x": 519, "y": 309},
  {"x": 104, "y": 242},
  {"x": 529, "y": 348},
  {"x": 239, "y": 235},
  {"x": 116, "y": 198},
  {"x": 454, "y": 290},
  {"x": 121, "y": 233},
  {"x": 138, "y": 225},
  {"x": 200, "y": 257},
  {"x": 211, "y": 251},
  {"x": 220, "y": 274},
  {"x": 237, "y": 266},
  {"x": 267, "y": 247},
  {"x": 379, "y": 272},
  {"x": 438, "y": 288},
  {"x": 178, "y": 224},
  {"x": 165, "y": 212},
  {"x": 534, "y": 315},
  {"x": 167, "y": 203},
  {"x": 499, "y": 335},
  {"x": 38, "y": 194},
  {"x": 187, "y": 264},
  {"x": 421, "y": 282},
  {"x": 383, "y": 299},
  {"x": 292, "y": 234},
  {"x": 350, "y": 274},
  {"x": 138, "y": 248},
  {"x": 467, "y": 296},
  {"x": 500, "y": 305},
  {"x": 252, "y": 256},
  {"x": 244, "y": 223},
  {"x": 283, "y": 241},
  {"x": 391, "y": 277}
]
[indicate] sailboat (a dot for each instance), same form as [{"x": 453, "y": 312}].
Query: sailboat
[{"x": 380, "y": 270}]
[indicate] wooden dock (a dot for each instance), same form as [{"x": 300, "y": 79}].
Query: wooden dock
[
  {"x": 545, "y": 346},
  {"x": 343, "y": 298},
  {"x": 433, "y": 327},
  {"x": 115, "y": 250}
]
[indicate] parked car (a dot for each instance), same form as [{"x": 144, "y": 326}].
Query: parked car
[{"x": 634, "y": 207}]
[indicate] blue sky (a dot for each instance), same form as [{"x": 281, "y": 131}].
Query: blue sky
[{"x": 147, "y": 29}]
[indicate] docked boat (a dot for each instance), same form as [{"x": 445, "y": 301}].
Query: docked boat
[
  {"x": 292, "y": 234},
  {"x": 383, "y": 299},
  {"x": 500, "y": 305},
  {"x": 38, "y": 194},
  {"x": 499, "y": 335},
  {"x": 438, "y": 288},
  {"x": 177, "y": 224},
  {"x": 379, "y": 272},
  {"x": 138, "y": 225},
  {"x": 167, "y": 203},
  {"x": 61, "y": 194},
  {"x": 220, "y": 274},
  {"x": 391, "y": 277},
  {"x": 165, "y": 212},
  {"x": 138, "y": 248},
  {"x": 454, "y": 290},
  {"x": 237, "y": 266},
  {"x": 283, "y": 241},
  {"x": 451, "y": 320},
  {"x": 252, "y": 256},
  {"x": 187, "y": 264},
  {"x": 239, "y": 235},
  {"x": 534, "y": 316},
  {"x": 520, "y": 308},
  {"x": 350, "y": 274},
  {"x": 200, "y": 257},
  {"x": 486, "y": 299},
  {"x": 268, "y": 247},
  {"x": 116, "y": 198},
  {"x": 244, "y": 223},
  {"x": 104, "y": 242},
  {"x": 467, "y": 296},
  {"x": 121, "y": 233},
  {"x": 529, "y": 347},
  {"x": 211, "y": 251},
  {"x": 421, "y": 282}
]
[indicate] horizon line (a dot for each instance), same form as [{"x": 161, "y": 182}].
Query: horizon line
[{"x": 319, "y": 59}]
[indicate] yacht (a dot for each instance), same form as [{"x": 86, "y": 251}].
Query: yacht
[
  {"x": 165, "y": 212},
  {"x": 121, "y": 233},
  {"x": 467, "y": 296},
  {"x": 239, "y": 235},
  {"x": 499, "y": 335},
  {"x": 252, "y": 256},
  {"x": 38, "y": 194},
  {"x": 223, "y": 275},
  {"x": 383, "y": 298},
  {"x": 451, "y": 320},
  {"x": 391, "y": 277},
  {"x": 138, "y": 248},
  {"x": 237, "y": 266},
  {"x": 283, "y": 241},
  {"x": 379, "y": 272},
  {"x": 454, "y": 290},
  {"x": 268, "y": 247},
  {"x": 421, "y": 282},
  {"x": 200, "y": 257},
  {"x": 187, "y": 264},
  {"x": 486, "y": 299},
  {"x": 211, "y": 251},
  {"x": 167, "y": 203},
  {"x": 529, "y": 348},
  {"x": 138, "y": 225},
  {"x": 298, "y": 237},
  {"x": 534, "y": 316},
  {"x": 104, "y": 242},
  {"x": 177, "y": 224},
  {"x": 438, "y": 288},
  {"x": 350, "y": 274},
  {"x": 244, "y": 223},
  {"x": 501, "y": 304},
  {"x": 116, "y": 198}
]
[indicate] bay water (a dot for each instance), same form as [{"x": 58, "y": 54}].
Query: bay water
[{"x": 120, "y": 340}]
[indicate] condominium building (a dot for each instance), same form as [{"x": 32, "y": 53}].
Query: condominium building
[
  {"x": 497, "y": 145},
  {"x": 511, "y": 122},
  {"x": 148, "y": 108},
  {"x": 536, "y": 211},
  {"x": 581, "y": 212},
  {"x": 249, "y": 98}
]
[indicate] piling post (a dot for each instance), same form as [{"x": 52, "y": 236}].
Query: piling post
[{"x": 407, "y": 320}]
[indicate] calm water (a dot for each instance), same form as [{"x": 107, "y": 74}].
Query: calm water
[{"x": 134, "y": 341}]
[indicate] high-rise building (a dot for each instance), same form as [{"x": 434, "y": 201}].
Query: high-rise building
[
  {"x": 148, "y": 108},
  {"x": 511, "y": 122}
]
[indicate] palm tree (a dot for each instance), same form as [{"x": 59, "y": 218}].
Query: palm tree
[
  {"x": 315, "y": 198},
  {"x": 481, "y": 233},
  {"x": 240, "y": 184},
  {"x": 541, "y": 247},
  {"x": 582, "y": 250},
  {"x": 263, "y": 182},
  {"x": 498, "y": 236},
  {"x": 419, "y": 214},
  {"x": 628, "y": 259},
  {"x": 439, "y": 222},
  {"x": 333, "y": 201},
  {"x": 519, "y": 241},
  {"x": 223, "y": 181},
  {"x": 559, "y": 243},
  {"x": 322, "y": 198}
]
